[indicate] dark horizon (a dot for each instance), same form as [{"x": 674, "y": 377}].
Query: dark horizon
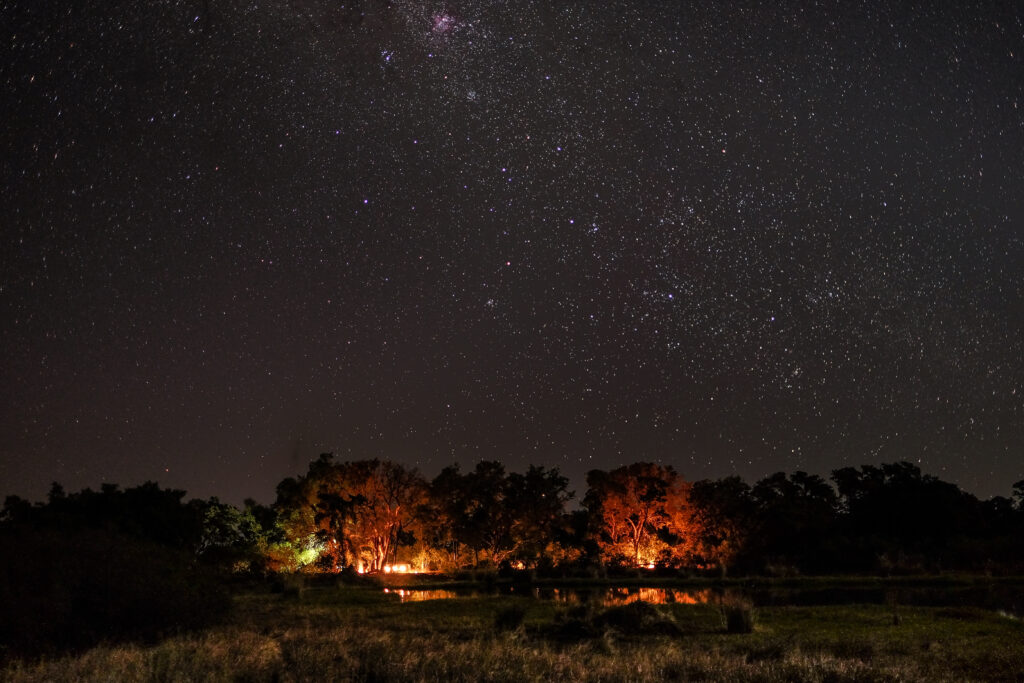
[
  {"x": 729, "y": 238},
  {"x": 577, "y": 489}
]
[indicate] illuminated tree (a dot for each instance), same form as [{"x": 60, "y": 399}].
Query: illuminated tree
[
  {"x": 296, "y": 507},
  {"x": 385, "y": 497},
  {"x": 641, "y": 514},
  {"x": 358, "y": 512}
]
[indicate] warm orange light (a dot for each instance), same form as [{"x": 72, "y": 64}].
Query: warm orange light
[
  {"x": 421, "y": 595},
  {"x": 396, "y": 569}
]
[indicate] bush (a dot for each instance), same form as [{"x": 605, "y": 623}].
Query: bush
[
  {"x": 738, "y": 615},
  {"x": 638, "y": 618},
  {"x": 510, "y": 618},
  {"x": 574, "y": 624},
  {"x": 290, "y": 586},
  {"x": 62, "y": 591}
]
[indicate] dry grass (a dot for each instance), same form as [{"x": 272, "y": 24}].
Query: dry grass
[{"x": 354, "y": 635}]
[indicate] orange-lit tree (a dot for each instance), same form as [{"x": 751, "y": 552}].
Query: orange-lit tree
[
  {"x": 385, "y": 499},
  {"x": 640, "y": 514},
  {"x": 358, "y": 512}
]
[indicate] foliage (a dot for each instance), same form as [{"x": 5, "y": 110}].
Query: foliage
[
  {"x": 889, "y": 518},
  {"x": 496, "y": 517},
  {"x": 358, "y": 512},
  {"x": 96, "y": 566},
  {"x": 510, "y": 618},
  {"x": 641, "y": 514},
  {"x": 738, "y": 615},
  {"x": 724, "y": 518},
  {"x": 894, "y": 512},
  {"x": 795, "y": 515}
]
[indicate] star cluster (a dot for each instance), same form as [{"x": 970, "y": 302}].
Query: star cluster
[{"x": 734, "y": 237}]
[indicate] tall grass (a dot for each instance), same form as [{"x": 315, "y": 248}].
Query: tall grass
[
  {"x": 351, "y": 634},
  {"x": 738, "y": 615}
]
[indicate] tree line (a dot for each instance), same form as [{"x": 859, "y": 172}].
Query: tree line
[
  {"x": 369, "y": 515},
  {"x": 140, "y": 563},
  {"x": 376, "y": 515}
]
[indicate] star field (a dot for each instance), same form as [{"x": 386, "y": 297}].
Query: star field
[{"x": 733, "y": 237}]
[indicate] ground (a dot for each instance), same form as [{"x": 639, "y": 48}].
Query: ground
[{"x": 359, "y": 633}]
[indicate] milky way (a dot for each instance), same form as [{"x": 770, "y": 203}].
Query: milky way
[{"x": 733, "y": 237}]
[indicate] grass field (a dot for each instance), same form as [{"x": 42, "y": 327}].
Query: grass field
[{"x": 361, "y": 634}]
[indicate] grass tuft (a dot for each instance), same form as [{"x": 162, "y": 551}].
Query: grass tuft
[
  {"x": 509, "y": 618},
  {"x": 738, "y": 615}
]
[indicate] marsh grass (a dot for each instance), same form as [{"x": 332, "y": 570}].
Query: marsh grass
[
  {"x": 738, "y": 615},
  {"x": 510, "y": 618},
  {"x": 355, "y": 634}
]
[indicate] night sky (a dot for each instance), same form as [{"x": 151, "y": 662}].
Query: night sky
[{"x": 734, "y": 237}]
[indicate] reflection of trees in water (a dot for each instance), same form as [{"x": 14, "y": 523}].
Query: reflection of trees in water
[
  {"x": 405, "y": 595},
  {"x": 621, "y": 595},
  {"x": 657, "y": 596},
  {"x": 1008, "y": 599}
]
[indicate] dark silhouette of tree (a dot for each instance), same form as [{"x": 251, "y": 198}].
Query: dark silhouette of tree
[
  {"x": 489, "y": 515},
  {"x": 897, "y": 517},
  {"x": 795, "y": 516},
  {"x": 724, "y": 516},
  {"x": 494, "y": 516},
  {"x": 447, "y": 509},
  {"x": 334, "y": 514},
  {"x": 102, "y": 565},
  {"x": 535, "y": 503}
]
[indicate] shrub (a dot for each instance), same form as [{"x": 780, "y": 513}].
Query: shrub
[
  {"x": 638, "y": 618},
  {"x": 62, "y": 591},
  {"x": 510, "y": 618},
  {"x": 635, "y": 619},
  {"x": 738, "y": 615}
]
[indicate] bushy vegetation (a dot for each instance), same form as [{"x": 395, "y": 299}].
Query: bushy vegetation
[
  {"x": 141, "y": 563},
  {"x": 887, "y": 519},
  {"x": 101, "y": 566}
]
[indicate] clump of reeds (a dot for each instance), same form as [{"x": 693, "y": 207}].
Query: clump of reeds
[
  {"x": 738, "y": 615},
  {"x": 635, "y": 619},
  {"x": 289, "y": 586},
  {"x": 638, "y": 618},
  {"x": 509, "y": 618},
  {"x": 892, "y": 598}
]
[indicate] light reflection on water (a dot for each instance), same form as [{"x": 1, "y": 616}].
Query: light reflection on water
[
  {"x": 608, "y": 596},
  {"x": 408, "y": 595},
  {"x": 626, "y": 595},
  {"x": 1009, "y": 599}
]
